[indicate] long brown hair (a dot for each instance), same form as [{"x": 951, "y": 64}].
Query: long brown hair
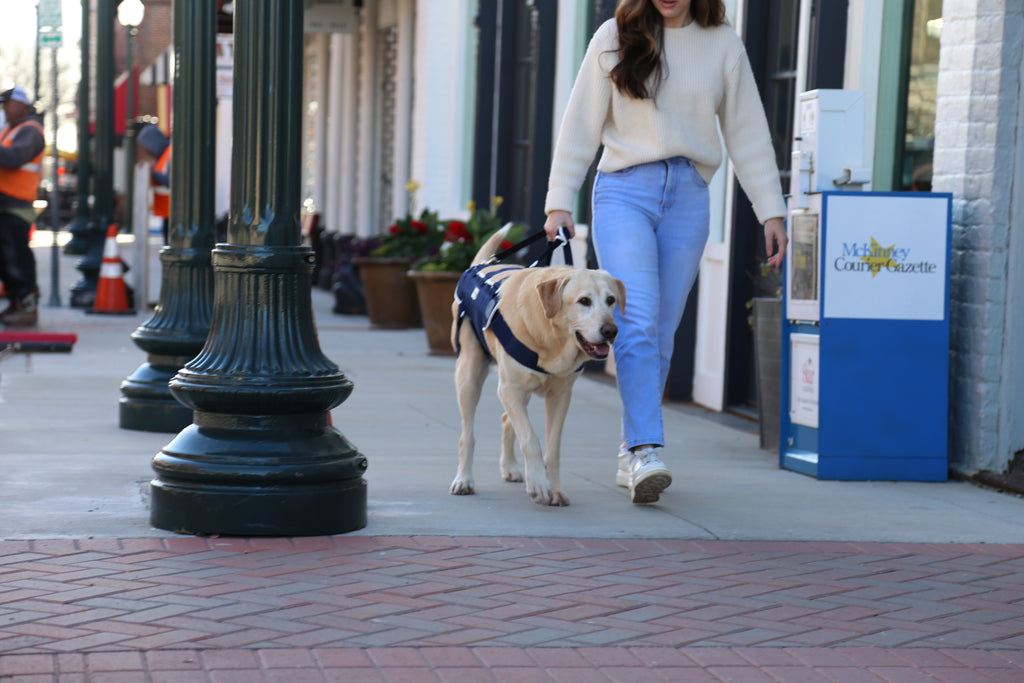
[{"x": 641, "y": 37}]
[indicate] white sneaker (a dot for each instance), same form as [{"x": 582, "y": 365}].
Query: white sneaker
[
  {"x": 648, "y": 476},
  {"x": 625, "y": 460}
]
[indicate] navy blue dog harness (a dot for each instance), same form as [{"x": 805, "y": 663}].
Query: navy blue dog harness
[{"x": 478, "y": 292}]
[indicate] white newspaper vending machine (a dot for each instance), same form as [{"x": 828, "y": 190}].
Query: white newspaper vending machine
[{"x": 865, "y": 360}]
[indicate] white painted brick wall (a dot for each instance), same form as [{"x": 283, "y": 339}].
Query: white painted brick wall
[{"x": 978, "y": 145}]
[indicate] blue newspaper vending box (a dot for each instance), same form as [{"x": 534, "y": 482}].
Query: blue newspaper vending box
[{"x": 865, "y": 360}]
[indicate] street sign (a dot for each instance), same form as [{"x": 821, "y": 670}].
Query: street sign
[
  {"x": 50, "y": 23},
  {"x": 50, "y": 14},
  {"x": 51, "y": 39}
]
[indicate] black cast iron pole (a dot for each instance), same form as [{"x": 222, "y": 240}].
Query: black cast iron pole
[
  {"x": 83, "y": 292},
  {"x": 79, "y": 225},
  {"x": 176, "y": 332},
  {"x": 261, "y": 457}
]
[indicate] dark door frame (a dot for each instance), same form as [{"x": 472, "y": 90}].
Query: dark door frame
[
  {"x": 500, "y": 24},
  {"x": 769, "y": 61}
]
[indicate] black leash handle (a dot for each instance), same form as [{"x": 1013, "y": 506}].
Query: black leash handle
[{"x": 562, "y": 239}]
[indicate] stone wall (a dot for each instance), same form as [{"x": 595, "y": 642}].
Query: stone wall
[{"x": 979, "y": 157}]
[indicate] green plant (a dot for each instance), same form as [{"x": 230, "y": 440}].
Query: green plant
[
  {"x": 410, "y": 237},
  {"x": 463, "y": 239}
]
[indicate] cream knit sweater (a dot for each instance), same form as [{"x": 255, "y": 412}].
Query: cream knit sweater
[{"x": 707, "y": 76}]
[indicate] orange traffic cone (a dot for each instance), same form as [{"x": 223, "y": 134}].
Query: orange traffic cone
[{"x": 111, "y": 292}]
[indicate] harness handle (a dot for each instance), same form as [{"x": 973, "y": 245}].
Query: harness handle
[{"x": 562, "y": 238}]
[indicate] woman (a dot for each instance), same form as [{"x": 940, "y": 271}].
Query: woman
[{"x": 655, "y": 85}]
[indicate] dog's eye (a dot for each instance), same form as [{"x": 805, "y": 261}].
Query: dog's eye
[
  {"x": 585, "y": 301},
  {"x": 610, "y": 301}
]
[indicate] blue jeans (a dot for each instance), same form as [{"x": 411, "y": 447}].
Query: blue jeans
[{"x": 650, "y": 226}]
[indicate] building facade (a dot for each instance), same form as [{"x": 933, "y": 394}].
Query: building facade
[{"x": 465, "y": 97}]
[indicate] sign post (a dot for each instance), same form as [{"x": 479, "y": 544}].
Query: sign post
[{"x": 51, "y": 37}]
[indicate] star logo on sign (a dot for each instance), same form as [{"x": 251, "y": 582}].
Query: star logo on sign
[{"x": 880, "y": 257}]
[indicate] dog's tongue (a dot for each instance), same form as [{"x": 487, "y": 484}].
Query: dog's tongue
[{"x": 601, "y": 350}]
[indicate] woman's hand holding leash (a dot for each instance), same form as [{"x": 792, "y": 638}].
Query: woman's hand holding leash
[
  {"x": 559, "y": 219},
  {"x": 774, "y": 234}
]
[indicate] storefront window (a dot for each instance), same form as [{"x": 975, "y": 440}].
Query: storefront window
[{"x": 919, "y": 137}]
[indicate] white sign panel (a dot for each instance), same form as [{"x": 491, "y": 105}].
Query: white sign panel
[
  {"x": 885, "y": 256},
  {"x": 51, "y": 39},
  {"x": 50, "y": 22},
  {"x": 803, "y": 379},
  {"x": 50, "y": 14}
]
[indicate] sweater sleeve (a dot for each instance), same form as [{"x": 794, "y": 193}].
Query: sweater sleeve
[
  {"x": 580, "y": 133},
  {"x": 749, "y": 143}
]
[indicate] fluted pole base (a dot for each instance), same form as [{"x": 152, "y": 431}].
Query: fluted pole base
[
  {"x": 172, "y": 337},
  {"x": 83, "y": 292},
  {"x": 147, "y": 404},
  {"x": 259, "y": 476},
  {"x": 261, "y": 457},
  {"x": 79, "y": 228}
]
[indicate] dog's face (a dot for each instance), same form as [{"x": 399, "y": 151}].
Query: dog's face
[{"x": 586, "y": 302}]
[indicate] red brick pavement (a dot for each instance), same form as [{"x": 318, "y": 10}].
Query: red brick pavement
[{"x": 358, "y": 608}]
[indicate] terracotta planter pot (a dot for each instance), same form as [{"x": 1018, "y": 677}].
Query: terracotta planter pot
[
  {"x": 436, "y": 291},
  {"x": 390, "y": 295}
]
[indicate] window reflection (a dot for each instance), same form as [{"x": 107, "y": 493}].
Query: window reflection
[{"x": 919, "y": 139}]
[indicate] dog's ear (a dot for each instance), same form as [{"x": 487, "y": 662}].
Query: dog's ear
[
  {"x": 550, "y": 292},
  {"x": 620, "y": 290}
]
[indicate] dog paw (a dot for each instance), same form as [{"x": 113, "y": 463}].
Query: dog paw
[
  {"x": 540, "y": 493},
  {"x": 511, "y": 474},
  {"x": 558, "y": 498},
  {"x": 462, "y": 487}
]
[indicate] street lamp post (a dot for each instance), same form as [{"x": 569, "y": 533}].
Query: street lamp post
[
  {"x": 83, "y": 292},
  {"x": 129, "y": 15},
  {"x": 80, "y": 224},
  {"x": 178, "y": 329},
  {"x": 261, "y": 457}
]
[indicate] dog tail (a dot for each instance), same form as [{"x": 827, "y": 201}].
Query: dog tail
[{"x": 490, "y": 247}]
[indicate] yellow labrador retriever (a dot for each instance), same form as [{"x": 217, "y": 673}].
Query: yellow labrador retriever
[{"x": 541, "y": 329}]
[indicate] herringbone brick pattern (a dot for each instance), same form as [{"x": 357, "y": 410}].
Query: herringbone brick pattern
[{"x": 384, "y": 608}]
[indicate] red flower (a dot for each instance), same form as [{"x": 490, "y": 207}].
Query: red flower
[
  {"x": 394, "y": 230},
  {"x": 457, "y": 232},
  {"x": 420, "y": 227},
  {"x": 505, "y": 244}
]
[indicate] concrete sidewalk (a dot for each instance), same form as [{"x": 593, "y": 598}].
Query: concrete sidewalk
[
  {"x": 741, "y": 572},
  {"x": 71, "y": 472}
]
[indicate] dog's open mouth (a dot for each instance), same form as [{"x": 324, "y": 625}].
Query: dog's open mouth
[{"x": 595, "y": 351}]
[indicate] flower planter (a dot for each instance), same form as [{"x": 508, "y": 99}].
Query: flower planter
[
  {"x": 436, "y": 292},
  {"x": 390, "y": 295}
]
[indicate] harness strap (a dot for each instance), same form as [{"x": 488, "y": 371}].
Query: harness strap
[
  {"x": 472, "y": 283},
  {"x": 522, "y": 354},
  {"x": 477, "y": 296},
  {"x": 561, "y": 239}
]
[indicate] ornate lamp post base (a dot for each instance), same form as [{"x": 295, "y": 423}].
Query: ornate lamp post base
[
  {"x": 79, "y": 227},
  {"x": 147, "y": 404},
  {"x": 282, "y": 475},
  {"x": 171, "y": 338},
  {"x": 261, "y": 457}
]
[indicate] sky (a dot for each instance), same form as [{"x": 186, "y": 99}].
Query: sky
[
  {"x": 18, "y": 28},
  {"x": 17, "y": 44}
]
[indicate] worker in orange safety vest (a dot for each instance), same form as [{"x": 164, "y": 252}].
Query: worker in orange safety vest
[
  {"x": 21, "y": 156},
  {"x": 154, "y": 146}
]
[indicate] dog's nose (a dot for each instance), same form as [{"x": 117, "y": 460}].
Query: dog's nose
[{"x": 609, "y": 331}]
